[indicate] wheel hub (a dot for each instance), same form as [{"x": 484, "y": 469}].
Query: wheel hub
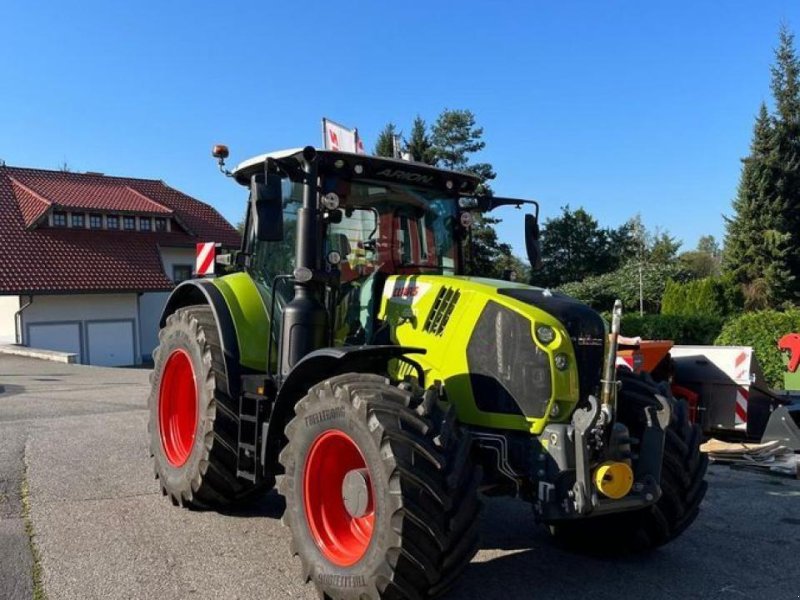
[{"x": 356, "y": 492}]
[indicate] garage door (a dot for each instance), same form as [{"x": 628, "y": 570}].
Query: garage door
[
  {"x": 110, "y": 343},
  {"x": 62, "y": 337}
]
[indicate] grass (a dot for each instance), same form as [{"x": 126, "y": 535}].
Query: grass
[{"x": 36, "y": 571}]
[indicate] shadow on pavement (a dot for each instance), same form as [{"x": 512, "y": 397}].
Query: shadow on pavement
[{"x": 271, "y": 505}]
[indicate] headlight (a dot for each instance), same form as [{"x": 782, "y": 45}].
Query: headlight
[
  {"x": 562, "y": 362},
  {"x": 545, "y": 334}
]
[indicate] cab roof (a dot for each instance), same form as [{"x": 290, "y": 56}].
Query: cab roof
[{"x": 362, "y": 166}]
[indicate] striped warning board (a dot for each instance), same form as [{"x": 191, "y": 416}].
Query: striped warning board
[
  {"x": 740, "y": 418},
  {"x": 204, "y": 262},
  {"x": 741, "y": 372}
]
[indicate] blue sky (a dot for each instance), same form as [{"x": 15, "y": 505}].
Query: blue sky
[{"x": 619, "y": 107}]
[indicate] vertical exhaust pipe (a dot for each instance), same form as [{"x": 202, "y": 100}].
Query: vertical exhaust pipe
[{"x": 608, "y": 394}]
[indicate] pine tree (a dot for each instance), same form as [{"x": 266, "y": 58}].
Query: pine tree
[
  {"x": 419, "y": 144},
  {"x": 384, "y": 146},
  {"x": 454, "y": 138}
]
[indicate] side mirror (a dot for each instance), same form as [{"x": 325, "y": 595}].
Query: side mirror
[
  {"x": 266, "y": 208},
  {"x": 532, "y": 244}
]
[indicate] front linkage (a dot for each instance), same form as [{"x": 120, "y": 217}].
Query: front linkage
[
  {"x": 587, "y": 467},
  {"x": 594, "y": 429}
]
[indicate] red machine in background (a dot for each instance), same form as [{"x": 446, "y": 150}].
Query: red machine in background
[{"x": 724, "y": 387}]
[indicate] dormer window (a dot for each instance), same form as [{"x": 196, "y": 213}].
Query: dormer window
[
  {"x": 111, "y": 222},
  {"x": 59, "y": 219}
]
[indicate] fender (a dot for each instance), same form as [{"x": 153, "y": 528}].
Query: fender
[
  {"x": 319, "y": 365},
  {"x": 201, "y": 291}
]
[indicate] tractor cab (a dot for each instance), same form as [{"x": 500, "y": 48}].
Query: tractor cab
[{"x": 324, "y": 230}]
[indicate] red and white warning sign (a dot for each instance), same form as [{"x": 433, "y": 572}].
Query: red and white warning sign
[
  {"x": 742, "y": 396},
  {"x": 741, "y": 374},
  {"x": 204, "y": 263}
]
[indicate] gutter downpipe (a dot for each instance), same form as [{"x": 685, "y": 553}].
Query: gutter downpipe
[{"x": 18, "y": 321}]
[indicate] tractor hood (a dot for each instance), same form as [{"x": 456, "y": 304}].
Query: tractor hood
[{"x": 481, "y": 340}]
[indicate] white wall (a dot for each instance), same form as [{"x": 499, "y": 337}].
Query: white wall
[
  {"x": 151, "y": 304},
  {"x": 176, "y": 256},
  {"x": 83, "y": 308},
  {"x": 8, "y": 306}
]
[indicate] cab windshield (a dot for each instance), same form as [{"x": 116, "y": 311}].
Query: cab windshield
[{"x": 393, "y": 229}]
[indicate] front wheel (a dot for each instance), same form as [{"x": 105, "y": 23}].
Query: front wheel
[{"x": 381, "y": 496}]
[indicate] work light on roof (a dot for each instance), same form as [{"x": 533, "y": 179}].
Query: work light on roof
[{"x": 330, "y": 201}]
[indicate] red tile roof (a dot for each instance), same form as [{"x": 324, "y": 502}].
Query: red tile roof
[
  {"x": 91, "y": 192},
  {"x": 31, "y": 205},
  {"x": 49, "y": 260}
]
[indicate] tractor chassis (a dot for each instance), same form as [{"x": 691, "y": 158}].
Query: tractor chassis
[{"x": 553, "y": 470}]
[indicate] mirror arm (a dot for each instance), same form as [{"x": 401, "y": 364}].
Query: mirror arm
[{"x": 489, "y": 203}]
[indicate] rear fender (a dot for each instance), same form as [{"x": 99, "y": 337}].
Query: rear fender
[
  {"x": 202, "y": 291},
  {"x": 320, "y": 365}
]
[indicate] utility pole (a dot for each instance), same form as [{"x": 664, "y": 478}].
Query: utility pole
[
  {"x": 641, "y": 291},
  {"x": 639, "y": 233}
]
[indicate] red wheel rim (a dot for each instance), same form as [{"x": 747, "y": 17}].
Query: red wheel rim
[
  {"x": 341, "y": 537},
  {"x": 177, "y": 407}
]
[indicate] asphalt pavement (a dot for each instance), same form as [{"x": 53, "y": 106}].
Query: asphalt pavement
[{"x": 81, "y": 517}]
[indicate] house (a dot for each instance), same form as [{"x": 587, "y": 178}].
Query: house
[{"x": 88, "y": 260}]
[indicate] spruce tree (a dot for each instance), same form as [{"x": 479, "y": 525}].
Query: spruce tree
[
  {"x": 782, "y": 237},
  {"x": 419, "y": 144},
  {"x": 756, "y": 248},
  {"x": 384, "y": 146}
]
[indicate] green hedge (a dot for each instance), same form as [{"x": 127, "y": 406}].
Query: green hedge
[
  {"x": 762, "y": 330},
  {"x": 709, "y": 296},
  {"x": 698, "y": 329}
]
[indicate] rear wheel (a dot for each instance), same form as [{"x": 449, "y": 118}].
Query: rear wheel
[
  {"x": 193, "y": 422},
  {"x": 381, "y": 496},
  {"x": 682, "y": 481}
]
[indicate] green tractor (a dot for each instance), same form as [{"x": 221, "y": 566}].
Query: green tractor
[{"x": 345, "y": 351}]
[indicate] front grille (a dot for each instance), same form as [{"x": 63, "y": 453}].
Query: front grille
[
  {"x": 508, "y": 372},
  {"x": 585, "y": 327}
]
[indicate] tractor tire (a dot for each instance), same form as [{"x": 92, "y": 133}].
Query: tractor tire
[
  {"x": 682, "y": 481},
  {"x": 381, "y": 495},
  {"x": 193, "y": 423}
]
